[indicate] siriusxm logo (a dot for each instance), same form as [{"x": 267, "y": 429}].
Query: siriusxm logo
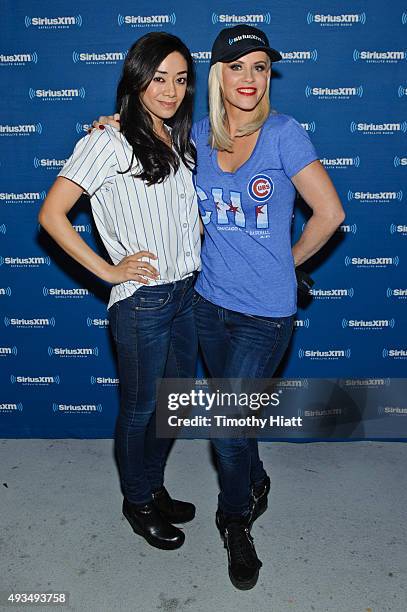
[
  {"x": 320, "y": 413},
  {"x": 108, "y": 57},
  {"x": 29, "y": 323},
  {"x": 11, "y": 407},
  {"x": 236, "y": 19},
  {"x": 341, "y": 162},
  {"x": 201, "y": 57},
  {"x": 59, "y": 351},
  {"x": 82, "y": 127},
  {"x": 83, "y": 229},
  {"x": 103, "y": 323},
  {"x": 401, "y": 91},
  {"x": 5, "y": 291},
  {"x": 52, "y": 95},
  {"x": 53, "y": 23},
  {"x": 34, "y": 380},
  {"x": 140, "y": 21},
  {"x": 332, "y": 354},
  {"x": 393, "y": 353},
  {"x": 375, "y": 197},
  {"x": 18, "y": 59},
  {"x": 20, "y": 130},
  {"x": 399, "y": 161},
  {"x": 104, "y": 381},
  {"x": 64, "y": 293},
  {"x": 399, "y": 293},
  {"x": 7, "y": 351},
  {"x": 332, "y": 294},
  {"x": 77, "y": 408},
  {"x": 399, "y": 410},
  {"x": 48, "y": 164},
  {"x": 27, "y": 197},
  {"x": 299, "y": 57},
  {"x": 295, "y": 383},
  {"x": 25, "y": 262},
  {"x": 372, "y": 262},
  {"x": 365, "y": 382},
  {"x": 250, "y": 37},
  {"x": 370, "y": 324},
  {"x": 335, "y": 93},
  {"x": 400, "y": 229},
  {"x": 379, "y": 57},
  {"x": 378, "y": 128},
  {"x": 3, "y": 228},
  {"x": 347, "y": 229},
  {"x": 336, "y": 20},
  {"x": 303, "y": 323},
  {"x": 309, "y": 127}
]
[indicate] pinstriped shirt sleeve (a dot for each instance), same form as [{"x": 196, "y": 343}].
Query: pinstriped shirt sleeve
[{"x": 92, "y": 160}]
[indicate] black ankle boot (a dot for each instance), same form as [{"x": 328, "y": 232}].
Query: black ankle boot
[
  {"x": 244, "y": 564},
  {"x": 259, "y": 496},
  {"x": 156, "y": 530},
  {"x": 173, "y": 510}
]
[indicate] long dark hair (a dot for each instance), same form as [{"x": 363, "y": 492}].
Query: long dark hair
[{"x": 154, "y": 156}]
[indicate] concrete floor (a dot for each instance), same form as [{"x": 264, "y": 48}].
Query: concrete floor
[{"x": 333, "y": 539}]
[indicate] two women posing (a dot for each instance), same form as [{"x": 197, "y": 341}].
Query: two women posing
[{"x": 247, "y": 163}]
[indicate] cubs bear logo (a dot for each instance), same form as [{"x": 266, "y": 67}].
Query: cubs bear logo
[{"x": 260, "y": 188}]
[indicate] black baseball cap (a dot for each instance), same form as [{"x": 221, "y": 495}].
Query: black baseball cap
[{"x": 232, "y": 43}]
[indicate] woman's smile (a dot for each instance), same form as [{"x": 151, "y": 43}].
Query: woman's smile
[{"x": 247, "y": 91}]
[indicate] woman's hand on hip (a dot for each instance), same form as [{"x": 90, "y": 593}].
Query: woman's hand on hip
[{"x": 134, "y": 268}]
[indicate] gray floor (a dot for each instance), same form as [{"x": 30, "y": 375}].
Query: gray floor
[{"x": 333, "y": 539}]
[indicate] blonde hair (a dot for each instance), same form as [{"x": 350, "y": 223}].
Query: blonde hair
[{"x": 219, "y": 137}]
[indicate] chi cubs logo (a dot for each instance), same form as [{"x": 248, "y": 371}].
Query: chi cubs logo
[{"x": 260, "y": 188}]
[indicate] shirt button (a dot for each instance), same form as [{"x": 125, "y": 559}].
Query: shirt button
[
  {"x": 182, "y": 195},
  {"x": 188, "y": 253},
  {"x": 185, "y": 225}
]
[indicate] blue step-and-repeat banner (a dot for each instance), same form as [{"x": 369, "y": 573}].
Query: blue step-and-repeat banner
[{"x": 343, "y": 76}]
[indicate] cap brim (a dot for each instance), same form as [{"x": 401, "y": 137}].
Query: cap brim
[{"x": 272, "y": 53}]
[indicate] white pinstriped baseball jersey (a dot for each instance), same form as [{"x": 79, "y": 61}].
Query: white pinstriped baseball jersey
[{"x": 131, "y": 216}]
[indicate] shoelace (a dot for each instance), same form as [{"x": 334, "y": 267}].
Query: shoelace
[{"x": 240, "y": 544}]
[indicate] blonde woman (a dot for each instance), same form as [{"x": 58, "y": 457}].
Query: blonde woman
[{"x": 250, "y": 164}]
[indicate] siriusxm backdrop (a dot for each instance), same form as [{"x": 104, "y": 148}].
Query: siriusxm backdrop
[{"x": 343, "y": 77}]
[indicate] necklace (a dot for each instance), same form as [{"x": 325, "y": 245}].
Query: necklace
[{"x": 165, "y": 136}]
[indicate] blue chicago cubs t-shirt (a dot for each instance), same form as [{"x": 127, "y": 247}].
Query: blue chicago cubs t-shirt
[{"x": 247, "y": 263}]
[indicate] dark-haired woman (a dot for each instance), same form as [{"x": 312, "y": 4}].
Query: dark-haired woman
[{"x": 144, "y": 205}]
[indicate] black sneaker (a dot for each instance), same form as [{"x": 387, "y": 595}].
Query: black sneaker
[
  {"x": 174, "y": 510},
  {"x": 259, "y": 496},
  {"x": 244, "y": 564}
]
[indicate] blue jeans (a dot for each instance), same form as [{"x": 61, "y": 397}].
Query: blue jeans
[
  {"x": 236, "y": 345},
  {"x": 155, "y": 337}
]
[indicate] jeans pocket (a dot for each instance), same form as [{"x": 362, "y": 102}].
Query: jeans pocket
[
  {"x": 196, "y": 298},
  {"x": 150, "y": 299},
  {"x": 271, "y": 321}
]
